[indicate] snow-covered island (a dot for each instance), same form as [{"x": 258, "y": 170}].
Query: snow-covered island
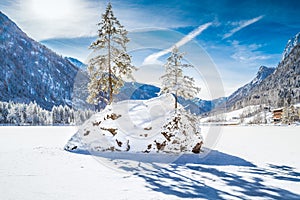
[{"x": 139, "y": 126}]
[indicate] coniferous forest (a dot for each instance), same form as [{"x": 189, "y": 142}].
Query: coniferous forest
[{"x": 32, "y": 114}]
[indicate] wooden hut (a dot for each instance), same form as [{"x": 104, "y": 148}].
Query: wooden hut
[{"x": 277, "y": 114}]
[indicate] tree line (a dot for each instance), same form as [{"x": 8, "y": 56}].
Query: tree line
[{"x": 32, "y": 114}]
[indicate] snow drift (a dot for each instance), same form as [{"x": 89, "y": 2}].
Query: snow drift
[{"x": 146, "y": 126}]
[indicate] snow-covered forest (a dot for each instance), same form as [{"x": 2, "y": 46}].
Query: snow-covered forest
[{"x": 32, "y": 114}]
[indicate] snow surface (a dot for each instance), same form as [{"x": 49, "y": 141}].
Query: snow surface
[{"x": 248, "y": 162}]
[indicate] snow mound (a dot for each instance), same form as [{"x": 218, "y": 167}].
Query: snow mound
[{"x": 146, "y": 126}]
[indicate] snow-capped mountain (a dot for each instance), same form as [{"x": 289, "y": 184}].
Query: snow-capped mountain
[
  {"x": 199, "y": 106},
  {"x": 30, "y": 71},
  {"x": 261, "y": 75},
  {"x": 136, "y": 91},
  {"x": 290, "y": 45},
  {"x": 139, "y": 91},
  {"x": 280, "y": 88},
  {"x": 77, "y": 63}
]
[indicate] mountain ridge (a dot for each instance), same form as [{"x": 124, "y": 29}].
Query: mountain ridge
[
  {"x": 30, "y": 71},
  {"x": 243, "y": 91},
  {"x": 280, "y": 88}
]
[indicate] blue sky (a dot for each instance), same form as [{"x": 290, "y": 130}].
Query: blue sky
[{"x": 241, "y": 35}]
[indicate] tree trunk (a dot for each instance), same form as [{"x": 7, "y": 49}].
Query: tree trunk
[
  {"x": 176, "y": 102},
  {"x": 176, "y": 84},
  {"x": 109, "y": 74}
]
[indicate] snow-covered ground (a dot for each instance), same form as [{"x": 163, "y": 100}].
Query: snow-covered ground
[
  {"x": 248, "y": 115},
  {"x": 248, "y": 162}
]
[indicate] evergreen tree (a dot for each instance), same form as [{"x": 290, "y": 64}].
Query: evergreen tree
[
  {"x": 32, "y": 114},
  {"x": 173, "y": 81},
  {"x": 66, "y": 115},
  {"x": 181, "y": 131},
  {"x": 23, "y": 113},
  {"x": 54, "y": 114},
  {"x": 60, "y": 114},
  {"x": 3, "y": 112},
  {"x": 111, "y": 62},
  {"x": 35, "y": 114},
  {"x": 14, "y": 115}
]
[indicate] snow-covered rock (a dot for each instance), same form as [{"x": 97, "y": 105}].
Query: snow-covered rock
[{"x": 138, "y": 126}]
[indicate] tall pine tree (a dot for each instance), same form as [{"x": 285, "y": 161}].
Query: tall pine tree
[
  {"x": 174, "y": 81},
  {"x": 111, "y": 63},
  {"x": 181, "y": 130}
]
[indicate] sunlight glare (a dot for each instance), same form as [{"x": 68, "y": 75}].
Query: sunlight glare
[{"x": 51, "y": 9}]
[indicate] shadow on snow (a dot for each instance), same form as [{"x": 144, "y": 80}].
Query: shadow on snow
[
  {"x": 194, "y": 176},
  {"x": 209, "y": 157}
]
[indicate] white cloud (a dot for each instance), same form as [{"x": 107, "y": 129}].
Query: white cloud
[
  {"x": 248, "y": 54},
  {"x": 153, "y": 58},
  {"x": 242, "y": 25}
]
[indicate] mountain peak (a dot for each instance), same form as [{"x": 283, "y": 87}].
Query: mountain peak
[
  {"x": 262, "y": 68},
  {"x": 290, "y": 45},
  {"x": 3, "y": 17},
  {"x": 76, "y": 62},
  {"x": 7, "y": 24},
  {"x": 263, "y": 73}
]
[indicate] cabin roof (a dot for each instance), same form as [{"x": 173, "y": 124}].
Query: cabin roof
[{"x": 278, "y": 109}]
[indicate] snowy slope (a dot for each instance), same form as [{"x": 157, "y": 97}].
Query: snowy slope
[
  {"x": 244, "y": 91},
  {"x": 31, "y": 72},
  {"x": 134, "y": 126},
  {"x": 253, "y": 114}
]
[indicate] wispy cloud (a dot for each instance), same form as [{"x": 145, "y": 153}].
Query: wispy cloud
[
  {"x": 153, "y": 58},
  {"x": 242, "y": 25},
  {"x": 249, "y": 54}
]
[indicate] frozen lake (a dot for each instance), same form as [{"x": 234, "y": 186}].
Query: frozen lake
[{"x": 247, "y": 162}]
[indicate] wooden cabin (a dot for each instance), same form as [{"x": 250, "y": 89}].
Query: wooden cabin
[{"x": 277, "y": 114}]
